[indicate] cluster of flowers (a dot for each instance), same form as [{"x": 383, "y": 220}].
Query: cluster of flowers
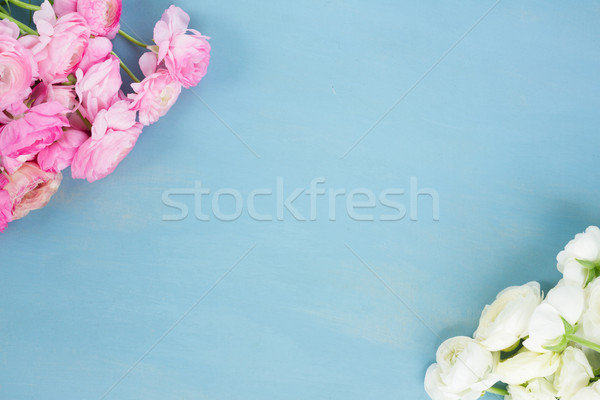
[
  {"x": 542, "y": 348},
  {"x": 61, "y": 102}
]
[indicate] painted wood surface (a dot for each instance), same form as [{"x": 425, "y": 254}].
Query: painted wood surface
[{"x": 491, "y": 106}]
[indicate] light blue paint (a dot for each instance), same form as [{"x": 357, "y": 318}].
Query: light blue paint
[{"x": 505, "y": 128}]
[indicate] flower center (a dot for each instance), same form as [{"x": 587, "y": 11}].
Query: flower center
[
  {"x": 165, "y": 96},
  {"x": 109, "y": 12},
  {"x": 5, "y": 78}
]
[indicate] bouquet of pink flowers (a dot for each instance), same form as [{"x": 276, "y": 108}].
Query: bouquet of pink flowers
[{"x": 61, "y": 98}]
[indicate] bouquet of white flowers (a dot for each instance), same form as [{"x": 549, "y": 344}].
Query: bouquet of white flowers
[{"x": 541, "y": 348}]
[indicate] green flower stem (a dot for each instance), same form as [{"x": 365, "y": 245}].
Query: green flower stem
[
  {"x": 21, "y": 25},
  {"x": 86, "y": 122},
  {"x": 71, "y": 80},
  {"x": 132, "y": 39},
  {"x": 125, "y": 68},
  {"x": 495, "y": 390},
  {"x": 24, "y": 5},
  {"x": 584, "y": 342}
]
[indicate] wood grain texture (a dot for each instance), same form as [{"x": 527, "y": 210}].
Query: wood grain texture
[{"x": 505, "y": 129}]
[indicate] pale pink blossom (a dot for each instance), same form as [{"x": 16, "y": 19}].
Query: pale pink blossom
[
  {"x": 17, "y": 67},
  {"x": 21, "y": 139},
  {"x": 154, "y": 96},
  {"x": 103, "y": 16},
  {"x": 9, "y": 28},
  {"x": 148, "y": 63},
  {"x": 61, "y": 43},
  {"x": 59, "y": 154},
  {"x": 29, "y": 188},
  {"x": 98, "y": 88},
  {"x": 62, "y": 7},
  {"x": 98, "y": 50},
  {"x": 186, "y": 56},
  {"x": 114, "y": 134}
]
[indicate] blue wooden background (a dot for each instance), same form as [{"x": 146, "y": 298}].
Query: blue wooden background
[{"x": 494, "y": 105}]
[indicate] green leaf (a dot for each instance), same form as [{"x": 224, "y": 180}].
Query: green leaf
[
  {"x": 558, "y": 347},
  {"x": 587, "y": 264},
  {"x": 511, "y": 351},
  {"x": 512, "y": 348},
  {"x": 592, "y": 274},
  {"x": 569, "y": 329}
]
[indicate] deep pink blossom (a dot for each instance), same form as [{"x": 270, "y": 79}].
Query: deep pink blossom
[
  {"x": 21, "y": 139},
  {"x": 186, "y": 56},
  {"x": 114, "y": 134}
]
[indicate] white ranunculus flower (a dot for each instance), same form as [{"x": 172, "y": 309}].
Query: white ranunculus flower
[
  {"x": 591, "y": 392},
  {"x": 527, "y": 365},
  {"x": 585, "y": 246},
  {"x": 541, "y": 385},
  {"x": 463, "y": 370},
  {"x": 434, "y": 386},
  {"x": 573, "y": 373},
  {"x": 546, "y": 327},
  {"x": 505, "y": 321},
  {"x": 537, "y": 389},
  {"x": 591, "y": 314}
]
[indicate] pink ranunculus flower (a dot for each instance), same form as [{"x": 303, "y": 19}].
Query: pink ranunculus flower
[
  {"x": 185, "y": 56},
  {"x": 98, "y": 50},
  {"x": 9, "y": 28},
  {"x": 17, "y": 67},
  {"x": 21, "y": 139},
  {"x": 59, "y": 154},
  {"x": 5, "y": 204},
  {"x": 103, "y": 16},
  {"x": 98, "y": 88},
  {"x": 114, "y": 134},
  {"x": 15, "y": 109},
  {"x": 63, "y": 94},
  {"x": 29, "y": 188},
  {"x": 61, "y": 43},
  {"x": 62, "y": 7},
  {"x": 154, "y": 96}
]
